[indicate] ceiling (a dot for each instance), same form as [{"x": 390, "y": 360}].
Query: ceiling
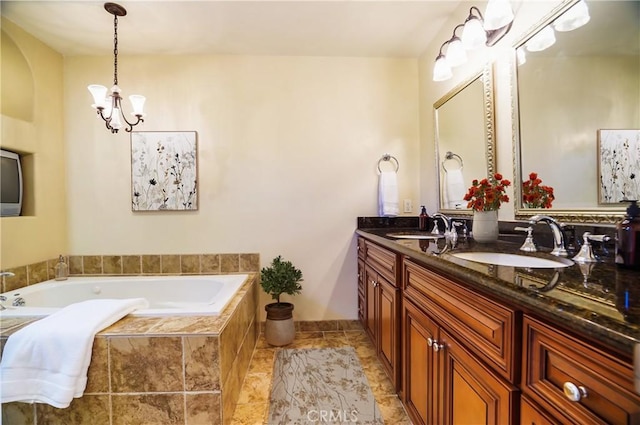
[{"x": 393, "y": 28}]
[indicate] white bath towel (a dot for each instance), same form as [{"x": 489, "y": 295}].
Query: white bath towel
[
  {"x": 454, "y": 189},
  {"x": 388, "y": 202},
  {"x": 47, "y": 361}
]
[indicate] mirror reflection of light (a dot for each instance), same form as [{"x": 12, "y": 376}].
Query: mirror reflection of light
[
  {"x": 521, "y": 56},
  {"x": 573, "y": 18},
  {"x": 542, "y": 40}
]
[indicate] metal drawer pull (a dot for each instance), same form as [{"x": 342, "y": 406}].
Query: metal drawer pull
[{"x": 574, "y": 392}]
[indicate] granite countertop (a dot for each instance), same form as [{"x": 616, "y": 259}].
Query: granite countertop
[{"x": 598, "y": 300}]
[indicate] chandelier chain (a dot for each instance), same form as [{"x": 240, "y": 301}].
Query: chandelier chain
[{"x": 115, "y": 50}]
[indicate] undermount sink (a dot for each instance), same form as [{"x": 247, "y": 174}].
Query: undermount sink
[
  {"x": 513, "y": 260},
  {"x": 413, "y": 235}
]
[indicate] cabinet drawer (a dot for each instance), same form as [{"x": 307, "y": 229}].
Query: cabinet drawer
[
  {"x": 487, "y": 327},
  {"x": 553, "y": 358},
  {"x": 382, "y": 260}
]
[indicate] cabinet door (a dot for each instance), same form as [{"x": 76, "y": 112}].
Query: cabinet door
[
  {"x": 471, "y": 393},
  {"x": 388, "y": 343},
  {"x": 370, "y": 290},
  {"x": 418, "y": 369},
  {"x": 531, "y": 415}
]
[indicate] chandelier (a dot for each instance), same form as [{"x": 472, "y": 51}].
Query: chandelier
[{"x": 109, "y": 108}]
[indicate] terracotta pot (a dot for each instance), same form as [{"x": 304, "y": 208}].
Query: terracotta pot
[{"x": 279, "y": 327}]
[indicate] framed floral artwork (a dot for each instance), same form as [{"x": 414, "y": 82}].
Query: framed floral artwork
[
  {"x": 164, "y": 171},
  {"x": 618, "y": 165}
]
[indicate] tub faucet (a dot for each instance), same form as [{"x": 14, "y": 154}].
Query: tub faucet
[{"x": 559, "y": 247}]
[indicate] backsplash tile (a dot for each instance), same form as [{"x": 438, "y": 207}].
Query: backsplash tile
[
  {"x": 37, "y": 272},
  {"x": 229, "y": 263},
  {"x": 111, "y": 264},
  {"x": 151, "y": 264},
  {"x": 210, "y": 263},
  {"x": 249, "y": 262},
  {"x": 190, "y": 264},
  {"x": 170, "y": 264},
  {"x": 131, "y": 264},
  {"x": 19, "y": 280},
  {"x": 134, "y": 409},
  {"x": 92, "y": 264}
]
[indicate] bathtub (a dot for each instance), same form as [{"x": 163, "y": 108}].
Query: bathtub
[{"x": 167, "y": 295}]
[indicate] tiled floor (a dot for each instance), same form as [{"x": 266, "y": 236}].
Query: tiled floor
[{"x": 253, "y": 405}]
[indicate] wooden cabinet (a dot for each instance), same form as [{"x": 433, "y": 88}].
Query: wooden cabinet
[
  {"x": 444, "y": 382},
  {"x": 380, "y": 300},
  {"x": 457, "y": 356},
  {"x": 575, "y": 382}
]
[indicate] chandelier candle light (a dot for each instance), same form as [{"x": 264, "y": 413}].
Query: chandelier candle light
[{"x": 109, "y": 108}]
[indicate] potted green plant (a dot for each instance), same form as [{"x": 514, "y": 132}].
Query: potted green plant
[{"x": 281, "y": 277}]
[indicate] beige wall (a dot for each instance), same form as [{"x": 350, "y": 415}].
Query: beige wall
[
  {"x": 287, "y": 154},
  {"x": 34, "y": 126}
]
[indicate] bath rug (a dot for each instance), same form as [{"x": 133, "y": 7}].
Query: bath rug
[{"x": 321, "y": 385}]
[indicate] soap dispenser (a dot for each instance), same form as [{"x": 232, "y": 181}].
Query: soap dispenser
[
  {"x": 423, "y": 222},
  {"x": 628, "y": 238},
  {"x": 61, "y": 269}
]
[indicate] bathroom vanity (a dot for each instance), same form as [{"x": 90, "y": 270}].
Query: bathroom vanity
[{"x": 471, "y": 342}]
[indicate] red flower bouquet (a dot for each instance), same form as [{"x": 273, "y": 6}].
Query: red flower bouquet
[
  {"x": 487, "y": 194},
  {"x": 535, "y": 195}
]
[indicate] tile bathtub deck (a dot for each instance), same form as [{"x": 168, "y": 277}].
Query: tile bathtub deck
[{"x": 253, "y": 404}]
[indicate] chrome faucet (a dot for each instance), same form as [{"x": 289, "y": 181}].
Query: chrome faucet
[
  {"x": 559, "y": 247},
  {"x": 447, "y": 223}
]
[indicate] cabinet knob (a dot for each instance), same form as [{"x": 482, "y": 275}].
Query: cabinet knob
[
  {"x": 437, "y": 346},
  {"x": 429, "y": 342},
  {"x": 574, "y": 392}
]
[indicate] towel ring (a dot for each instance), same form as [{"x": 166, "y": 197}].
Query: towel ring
[
  {"x": 387, "y": 157},
  {"x": 450, "y": 155}
]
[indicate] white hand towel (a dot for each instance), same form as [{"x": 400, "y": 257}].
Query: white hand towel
[
  {"x": 47, "y": 361},
  {"x": 455, "y": 189},
  {"x": 388, "y": 202}
]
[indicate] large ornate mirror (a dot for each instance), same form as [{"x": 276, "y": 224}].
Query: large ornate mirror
[
  {"x": 577, "y": 110},
  {"x": 464, "y": 139}
]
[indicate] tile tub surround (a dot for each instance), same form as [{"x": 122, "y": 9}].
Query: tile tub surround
[
  {"x": 131, "y": 265},
  {"x": 159, "y": 370}
]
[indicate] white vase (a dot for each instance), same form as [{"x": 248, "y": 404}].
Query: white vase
[{"x": 485, "y": 226}]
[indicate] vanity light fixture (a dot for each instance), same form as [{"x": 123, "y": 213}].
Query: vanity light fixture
[
  {"x": 109, "y": 108},
  {"x": 475, "y": 34},
  {"x": 575, "y": 17}
]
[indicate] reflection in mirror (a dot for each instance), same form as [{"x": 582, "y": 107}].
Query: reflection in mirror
[
  {"x": 578, "y": 76},
  {"x": 464, "y": 140}
]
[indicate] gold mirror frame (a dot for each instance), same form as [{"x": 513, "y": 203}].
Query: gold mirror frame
[
  {"x": 595, "y": 215},
  {"x": 486, "y": 77}
]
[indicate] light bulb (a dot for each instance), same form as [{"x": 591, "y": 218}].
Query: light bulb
[
  {"x": 498, "y": 14},
  {"x": 473, "y": 34},
  {"x": 441, "y": 70},
  {"x": 456, "y": 54}
]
